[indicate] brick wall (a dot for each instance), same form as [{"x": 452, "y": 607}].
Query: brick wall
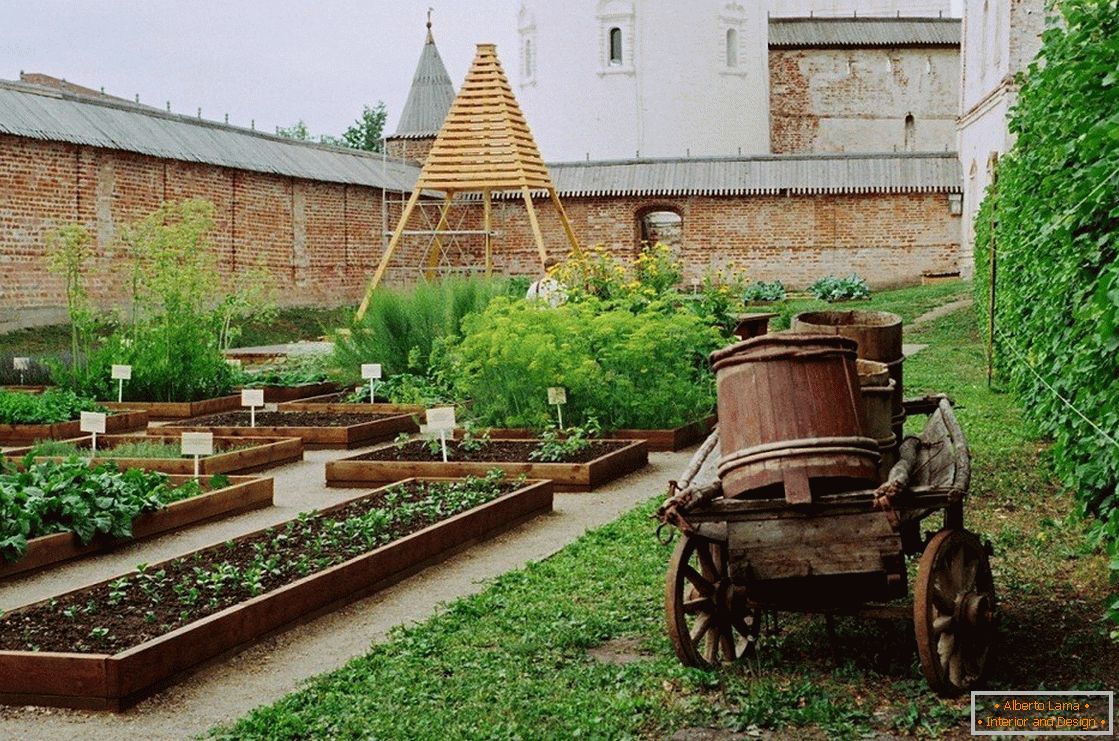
[
  {"x": 409, "y": 150},
  {"x": 889, "y": 239},
  {"x": 857, "y": 100},
  {"x": 321, "y": 241}
]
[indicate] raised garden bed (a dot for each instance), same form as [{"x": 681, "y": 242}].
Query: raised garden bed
[
  {"x": 317, "y": 429},
  {"x": 163, "y": 410},
  {"x": 659, "y": 441},
  {"x": 274, "y": 394},
  {"x": 137, "y": 637},
  {"x": 241, "y": 494},
  {"x": 123, "y": 420},
  {"x": 603, "y": 461},
  {"x": 231, "y": 454},
  {"x": 333, "y": 403}
]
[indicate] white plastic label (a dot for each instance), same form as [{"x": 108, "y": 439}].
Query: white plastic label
[
  {"x": 252, "y": 397},
  {"x": 441, "y": 419},
  {"x": 122, "y": 372},
  {"x": 370, "y": 371},
  {"x": 557, "y": 395},
  {"x": 93, "y": 422},
  {"x": 235, "y": 362},
  {"x": 198, "y": 443},
  {"x": 21, "y": 364}
]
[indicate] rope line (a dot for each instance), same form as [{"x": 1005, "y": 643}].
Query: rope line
[{"x": 1102, "y": 432}]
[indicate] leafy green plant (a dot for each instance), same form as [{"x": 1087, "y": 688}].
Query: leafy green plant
[
  {"x": 831, "y": 288},
  {"x": 557, "y": 446},
  {"x": 48, "y": 497},
  {"x": 156, "y": 449},
  {"x": 401, "y": 327},
  {"x": 640, "y": 370},
  {"x": 1052, "y": 223},
  {"x": 50, "y": 407},
  {"x": 764, "y": 291},
  {"x": 294, "y": 371},
  {"x": 68, "y": 252}
]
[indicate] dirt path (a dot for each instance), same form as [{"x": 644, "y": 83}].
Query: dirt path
[
  {"x": 944, "y": 310},
  {"x": 226, "y": 689}
]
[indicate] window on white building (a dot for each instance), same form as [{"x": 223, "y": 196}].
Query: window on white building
[
  {"x": 615, "y": 42},
  {"x": 530, "y": 59},
  {"x": 732, "y": 47},
  {"x": 910, "y": 132}
]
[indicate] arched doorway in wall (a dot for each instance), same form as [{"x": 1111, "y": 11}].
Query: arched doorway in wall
[{"x": 661, "y": 223}]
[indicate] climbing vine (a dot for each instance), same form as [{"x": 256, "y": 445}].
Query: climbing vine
[{"x": 1053, "y": 221}]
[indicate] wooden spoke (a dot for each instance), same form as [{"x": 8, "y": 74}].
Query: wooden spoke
[
  {"x": 954, "y": 611},
  {"x": 706, "y": 613}
]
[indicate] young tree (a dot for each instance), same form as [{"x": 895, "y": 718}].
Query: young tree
[
  {"x": 366, "y": 132},
  {"x": 297, "y": 131}
]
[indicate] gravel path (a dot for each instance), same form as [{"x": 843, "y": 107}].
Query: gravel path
[{"x": 226, "y": 689}]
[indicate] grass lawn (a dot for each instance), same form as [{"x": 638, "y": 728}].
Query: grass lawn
[{"x": 513, "y": 661}]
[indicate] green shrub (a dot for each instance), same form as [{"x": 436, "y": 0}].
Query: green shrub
[
  {"x": 762, "y": 291},
  {"x": 1056, "y": 231},
  {"x": 623, "y": 369},
  {"x": 831, "y": 288},
  {"x": 294, "y": 371},
  {"x": 50, "y": 407},
  {"x": 401, "y": 326},
  {"x": 180, "y": 317}
]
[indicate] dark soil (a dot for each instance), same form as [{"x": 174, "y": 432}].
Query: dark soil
[
  {"x": 501, "y": 451},
  {"x": 97, "y": 623},
  {"x": 282, "y": 419}
]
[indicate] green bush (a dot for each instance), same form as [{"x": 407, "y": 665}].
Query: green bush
[
  {"x": 181, "y": 315},
  {"x": 50, "y": 407},
  {"x": 621, "y": 369},
  {"x": 831, "y": 288},
  {"x": 1056, "y": 232},
  {"x": 760, "y": 290},
  {"x": 401, "y": 326}
]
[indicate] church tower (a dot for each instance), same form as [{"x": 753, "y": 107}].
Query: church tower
[{"x": 428, "y": 102}]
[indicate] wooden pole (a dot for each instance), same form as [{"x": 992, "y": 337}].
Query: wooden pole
[
  {"x": 993, "y": 269},
  {"x": 486, "y": 220},
  {"x": 535, "y": 226},
  {"x": 563, "y": 220},
  {"x": 393, "y": 243},
  {"x": 433, "y": 255}
]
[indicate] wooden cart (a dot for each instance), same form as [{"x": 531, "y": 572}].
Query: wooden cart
[{"x": 844, "y": 553}]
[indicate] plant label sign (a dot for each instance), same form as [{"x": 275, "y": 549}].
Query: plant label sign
[
  {"x": 252, "y": 398},
  {"x": 94, "y": 424},
  {"x": 235, "y": 362},
  {"x": 120, "y": 374},
  {"x": 441, "y": 420},
  {"x": 22, "y": 365},
  {"x": 197, "y": 444},
  {"x": 557, "y": 397},
  {"x": 372, "y": 373}
]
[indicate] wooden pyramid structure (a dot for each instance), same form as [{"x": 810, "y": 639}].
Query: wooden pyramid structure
[{"x": 484, "y": 146}]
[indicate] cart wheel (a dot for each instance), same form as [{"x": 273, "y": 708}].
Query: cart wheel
[
  {"x": 954, "y": 612},
  {"x": 708, "y": 619}
]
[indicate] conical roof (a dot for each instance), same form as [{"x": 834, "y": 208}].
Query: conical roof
[
  {"x": 430, "y": 97},
  {"x": 485, "y": 143}
]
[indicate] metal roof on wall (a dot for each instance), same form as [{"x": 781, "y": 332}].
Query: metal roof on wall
[
  {"x": 774, "y": 174},
  {"x": 33, "y": 112},
  {"x": 802, "y": 33}
]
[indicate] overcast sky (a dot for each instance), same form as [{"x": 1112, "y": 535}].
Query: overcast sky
[{"x": 276, "y": 61}]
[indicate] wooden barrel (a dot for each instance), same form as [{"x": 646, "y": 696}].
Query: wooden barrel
[
  {"x": 879, "y": 336},
  {"x": 791, "y": 418},
  {"x": 878, "y": 393}
]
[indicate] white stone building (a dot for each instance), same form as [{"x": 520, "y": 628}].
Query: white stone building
[
  {"x": 1000, "y": 39},
  {"x": 623, "y": 79}
]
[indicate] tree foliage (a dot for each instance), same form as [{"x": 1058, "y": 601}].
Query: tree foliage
[
  {"x": 1053, "y": 219},
  {"x": 365, "y": 133}
]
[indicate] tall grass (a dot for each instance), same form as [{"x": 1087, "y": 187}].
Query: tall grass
[{"x": 403, "y": 325}]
